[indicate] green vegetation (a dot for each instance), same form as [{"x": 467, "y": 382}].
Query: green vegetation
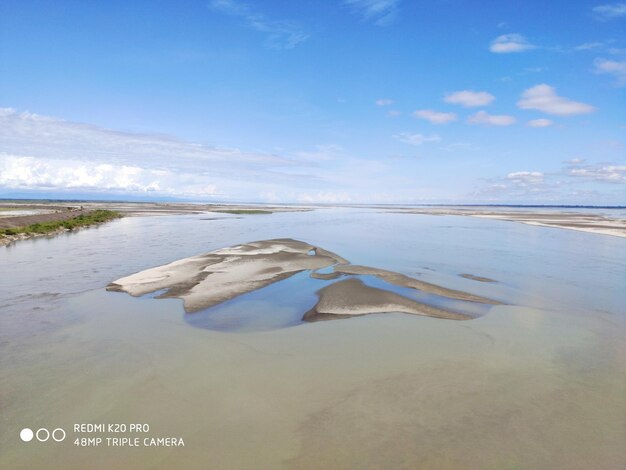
[
  {"x": 90, "y": 218},
  {"x": 243, "y": 211}
]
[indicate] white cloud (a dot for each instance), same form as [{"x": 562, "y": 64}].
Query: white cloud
[
  {"x": 384, "y": 102},
  {"x": 526, "y": 177},
  {"x": 320, "y": 153},
  {"x": 469, "y": 98},
  {"x": 281, "y": 34},
  {"x": 380, "y": 12},
  {"x": 17, "y": 172},
  {"x": 482, "y": 117},
  {"x": 540, "y": 123},
  {"x": 612, "y": 67},
  {"x": 611, "y": 10},
  {"x": 42, "y": 136},
  {"x": 435, "y": 117},
  {"x": 544, "y": 98},
  {"x": 561, "y": 185},
  {"x": 605, "y": 173},
  {"x": 392, "y": 113},
  {"x": 508, "y": 43},
  {"x": 45, "y": 155},
  {"x": 40, "y": 152},
  {"x": 416, "y": 139},
  {"x": 519, "y": 185},
  {"x": 589, "y": 46}
]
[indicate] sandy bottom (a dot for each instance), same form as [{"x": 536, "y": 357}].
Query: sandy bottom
[{"x": 518, "y": 388}]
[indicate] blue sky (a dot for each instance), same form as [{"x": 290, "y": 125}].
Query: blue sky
[{"x": 390, "y": 101}]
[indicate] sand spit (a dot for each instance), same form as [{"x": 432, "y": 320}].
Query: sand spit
[
  {"x": 584, "y": 222},
  {"x": 406, "y": 281},
  {"x": 206, "y": 280},
  {"x": 473, "y": 277},
  {"x": 351, "y": 297}
]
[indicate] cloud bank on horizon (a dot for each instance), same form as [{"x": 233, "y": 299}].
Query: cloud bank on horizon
[{"x": 351, "y": 101}]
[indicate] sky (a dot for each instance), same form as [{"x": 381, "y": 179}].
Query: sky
[{"x": 332, "y": 101}]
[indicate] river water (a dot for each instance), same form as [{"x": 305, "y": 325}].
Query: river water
[{"x": 536, "y": 383}]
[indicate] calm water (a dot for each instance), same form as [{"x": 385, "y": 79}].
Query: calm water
[{"x": 538, "y": 383}]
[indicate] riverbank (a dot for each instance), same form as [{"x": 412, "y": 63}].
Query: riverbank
[
  {"x": 13, "y": 229},
  {"x": 49, "y": 218}
]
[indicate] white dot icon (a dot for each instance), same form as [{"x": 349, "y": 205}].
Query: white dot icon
[{"x": 26, "y": 434}]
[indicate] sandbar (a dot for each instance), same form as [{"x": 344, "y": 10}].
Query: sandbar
[
  {"x": 351, "y": 297},
  {"x": 211, "y": 278},
  {"x": 473, "y": 277},
  {"x": 406, "y": 281},
  {"x": 580, "y": 221}
]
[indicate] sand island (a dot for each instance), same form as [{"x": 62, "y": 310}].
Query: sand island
[{"x": 209, "y": 279}]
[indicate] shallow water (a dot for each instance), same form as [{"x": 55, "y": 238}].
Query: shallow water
[
  {"x": 279, "y": 305},
  {"x": 535, "y": 384}
]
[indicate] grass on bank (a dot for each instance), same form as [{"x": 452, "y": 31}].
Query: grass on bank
[
  {"x": 94, "y": 217},
  {"x": 243, "y": 211}
]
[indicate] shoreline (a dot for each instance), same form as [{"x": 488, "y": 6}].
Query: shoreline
[
  {"x": 24, "y": 227},
  {"x": 563, "y": 218},
  {"x": 578, "y": 221},
  {"x": 55, "y": 211}
]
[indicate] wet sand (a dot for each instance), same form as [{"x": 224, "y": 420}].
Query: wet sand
[
  {"x": 209, "y": 279},
  {"x": 351, "y": 297},
  {"x": 584, "y": 222},
  {"x": 473, "y": 277},
  {"x": 406, "y": 281},
  {"x": 206, "y": 280}
]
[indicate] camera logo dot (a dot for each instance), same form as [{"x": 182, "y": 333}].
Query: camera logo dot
[
  {"x": 26, "y": 434},
  {"x": 42, "y": 435}
]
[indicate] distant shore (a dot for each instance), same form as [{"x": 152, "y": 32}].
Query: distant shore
[
  {"x": 584, "y": 219},
  {"x": 564, "y": 219},
  {"x": 49, "y": 222},
  {"x": 48, "y": 218}
]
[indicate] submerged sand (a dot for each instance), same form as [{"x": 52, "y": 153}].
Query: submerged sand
[
  {"x": 473, "y": 277},
  {"x": 209, "y": 279}
]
